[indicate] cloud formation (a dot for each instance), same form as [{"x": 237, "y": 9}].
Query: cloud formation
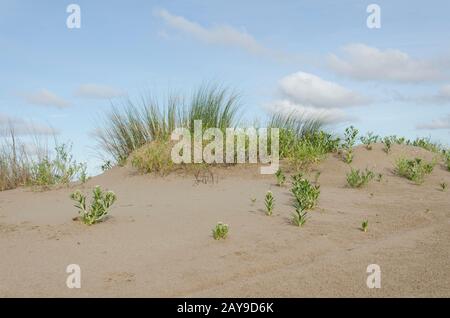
[
  {"x": 311, "y": 90},
  {"x": 46, "y": 98},
  {"x": 310, "y": 97},
  {"x": 98, "y": 91},
  {"x": 218, "y": 34},
  {"x": 362, "y": 62},
  {"x": 440, "y": 123}
]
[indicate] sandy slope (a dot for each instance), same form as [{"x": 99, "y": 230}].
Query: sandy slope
[{"x": 158, "y": 240}]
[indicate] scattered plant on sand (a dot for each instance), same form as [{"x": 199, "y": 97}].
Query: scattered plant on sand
[
  {"x": 281, "y": 178},
  {"x": 444, "y": 186},
  {"x": 365, "y": 226},
  {"x": 99, "y": 207},
  {"x": 305, "y": 198},
  {"x": 379, "y": 177},
  {"x": 447, "y": 160},
  {"x": 349, "y": 141},
  {"x": 220, "y": 231},
  {"x": 269, "y": 202},
  {"x": 357, "y": 178},
  {"x": 387, "y": 145},
  {"x": 413, "y": 169},
  {"x": 369, "y": 140}
]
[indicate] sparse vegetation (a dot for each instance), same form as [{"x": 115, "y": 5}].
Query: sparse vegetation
[
  {"x": 99, "y": 207},
  {"x": 155, "y": 157},
  {"x": 357, "y": 178},
  {"x": 220, "y": 231},
  {"x": 349, "y": 141},
  {"x": 444, "y": 186},
  {"x": 447, "y": 160},
  {"x": 305, "y": 198},
  {"x": 414, "y": 170},
  {"x": 281, "y": 178},
  {"x": 379, "y": 177},
  {"x": 31, "y": 164},
  {"x": 369, "y": 139},
  {"x": 387, "y": 144},
  {"x": 365, "y": 226},
  {"x": 269, "y": 202}
]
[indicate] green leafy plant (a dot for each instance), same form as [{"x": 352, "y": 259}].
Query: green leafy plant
[
  {"x": 414, "y": 170},
  {"x": 281, "y": 178},
  {"x": 387, "y": 144},
  {"x": 447, "y": 160},
  {"x": 349, "y": 141},
  {"x": 369, "y": 139},
  {"x": 305, "y": 194},
  {"x": 365, "y": 226},
  {"x": 100, "y": 204},
  {"x": 269, "y": 202},
  {"x": 220, "y": 231},
  {"x": 357, "y": 178},
  {"x": 299, "y": 217},
  {"x": 444, "y": 186}
]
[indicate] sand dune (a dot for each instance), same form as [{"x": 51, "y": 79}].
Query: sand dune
[{"x": 157, "y": 241}]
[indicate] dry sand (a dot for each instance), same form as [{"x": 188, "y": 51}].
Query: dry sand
[{"x": 157, "y": 242}]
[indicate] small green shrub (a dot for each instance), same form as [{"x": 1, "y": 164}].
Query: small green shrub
[
  {"x": 281, "y": 178},
  {"x": 61, "y": 170},
  {"x": 100, "y": 204},
  {"x": 220, "y": 231},
  {"x": 357, "y": 178},
  {"x": 387, "y": 141},
  {"x": 414, "y": 170},
  {"x": 365, "y": 226},
  {"x": 349, "y": 141},
  {"x": 447, "y": 160},
  {"x": 369, "y": 139},
  {"x": 427, "y": 144},
  {"x": 305, "y": 194},
  {"x": 269, "y": 202},
  {"x": 299, "y": 217}
]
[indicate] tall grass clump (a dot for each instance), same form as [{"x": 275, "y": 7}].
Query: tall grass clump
[
  {"x": 133, "y": 125},
  {"x": 302, "y": 140}
]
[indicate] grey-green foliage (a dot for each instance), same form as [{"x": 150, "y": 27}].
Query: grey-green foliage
[{"x": 99, "y": 206}]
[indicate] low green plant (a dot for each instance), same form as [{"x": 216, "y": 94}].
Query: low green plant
[
  {"x": 413, "y": 169},
  {"x": 61, "y": 170},
  {"x": 369, "y": 139},
  {"x": 444, "y": 186},
  {"x": 365, "y": 226},
  {"x": 100, "y": 204},
  {"x": 349, "y": 141},
  {"x": 357, "y": 178},
  {"x": 305, "y": 194},
  {"x": 269, "y": 202},
  {"x": 447, "y": 160},
  {"x": 299, "y": 217},
  {"x": 281, "y": 178},
  {"x": 387, "y": 141},
  {"x": 427, "y": 144},
  {"x": 220, "y": 231},
  {"x": 155, "y": 157}
]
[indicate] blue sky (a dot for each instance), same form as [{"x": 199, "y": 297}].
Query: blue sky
[{"x": 318, "y": 58}]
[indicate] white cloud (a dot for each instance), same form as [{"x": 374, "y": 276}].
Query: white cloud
[
  {"x": 219, "y": 34},
  {"x": 46, "y": 98},
  {"x": 23, "y": 127},
  {"x": 441, "y": 123},
  {"x": 97, "y": 91},
  {"x": 289, "y": 108},
  {"x": 311, "y": 90},
  {"x": 363, "y": 62},
  {"x": 308, "y": 96}
]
